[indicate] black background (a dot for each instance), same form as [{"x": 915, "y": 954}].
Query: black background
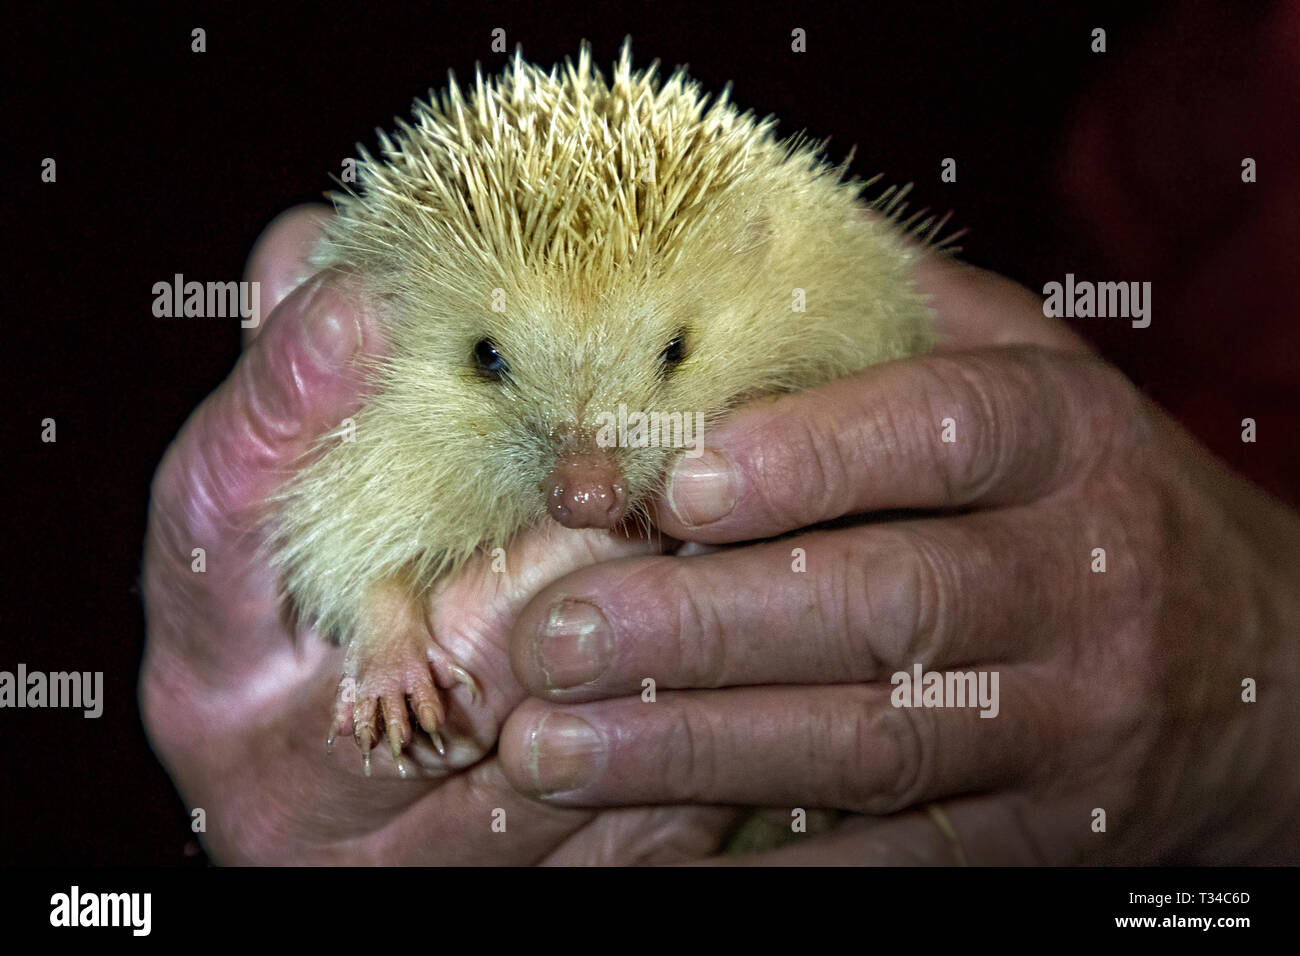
[{"x": 171, "y": 161}]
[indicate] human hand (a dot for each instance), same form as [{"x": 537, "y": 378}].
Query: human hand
[
  {"x": 1120, "y": 690},
  {"x": 237, "y": 700}
]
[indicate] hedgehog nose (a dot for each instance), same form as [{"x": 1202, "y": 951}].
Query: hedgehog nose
[{"x": 586, "y": 490}]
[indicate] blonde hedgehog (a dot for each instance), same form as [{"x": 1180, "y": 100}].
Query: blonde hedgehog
[{"x": 543, "y": 250}]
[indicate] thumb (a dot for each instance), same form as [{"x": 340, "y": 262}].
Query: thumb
[
  {"x": 280, "y": 260},
  {"x": 304, "y": 373}
]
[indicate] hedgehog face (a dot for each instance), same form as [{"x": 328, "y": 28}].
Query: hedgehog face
[
  {"x": 581, "y": 273},
  {"x": 583, "y": 380},
  {"x": 589, "y": 394}
]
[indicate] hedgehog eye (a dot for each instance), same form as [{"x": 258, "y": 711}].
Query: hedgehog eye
[
  {"x": 489, "y": 360},
  {"x": 674, "y": 352}
]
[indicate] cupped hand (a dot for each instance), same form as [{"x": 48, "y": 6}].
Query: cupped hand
[
  {"x": 1056, "y": 529},
  {"x": 237, "y": 699}
]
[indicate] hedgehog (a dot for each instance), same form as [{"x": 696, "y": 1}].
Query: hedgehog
[{"x": 544, "y": 249}]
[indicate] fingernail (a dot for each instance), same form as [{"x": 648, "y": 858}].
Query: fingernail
[
  {"x": 567, "y": 754},
  {"x": 330, "y": 337},
  {"x": 575, "y": 645},
  {"x": 702, "y": 490}
]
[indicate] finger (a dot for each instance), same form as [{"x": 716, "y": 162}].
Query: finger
[
  {"x": 966, "y": 831},
  {"x": 976, "y": 308},
  {"x": 648, "y": 836},
  {"x": 476, "y": 818},
  {"x": 985, "y": 428},
  {"x": 279, "y": 260},
  {"x": 846, "y": 747},
  {"x": 297, "y": 381},
  {"x": 859, "y": 604},
  {"x": 494, "y": 824}
]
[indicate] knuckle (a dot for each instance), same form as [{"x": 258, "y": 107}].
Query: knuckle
[
  {"x": 800, "y": 474},
  {"x": 183, "y": 517},
  {"x": 192, "y": 510},
  {"x": 893, "y": 592},
  {"x": 693, "y": 759},
  {"x": 892, "y": 750},
  {"x": 981, "y": 457},
  {"x": 1108, "y": 411},
  {"x": 931, "y": 583},
  {"x": 1021, "y": 426},
  {"x": 700, "y": 644},
  {"x": 1106, "y": 386},
  {"x": 271, "y": 397},
  {"x": 172, "y": 491},
  {"x": 845, "y": 611},
  {"x": 963, "y": 391}
]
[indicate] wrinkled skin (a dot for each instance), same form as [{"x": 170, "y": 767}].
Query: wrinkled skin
[
  {"x": 1119, "y": 690},
  {"x": 237, "y": 702}
]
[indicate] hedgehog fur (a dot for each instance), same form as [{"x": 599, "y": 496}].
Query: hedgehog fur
[{"x": 579, "y": 226}]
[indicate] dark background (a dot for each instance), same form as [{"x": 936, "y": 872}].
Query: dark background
[{"x": 170, "y": 161}]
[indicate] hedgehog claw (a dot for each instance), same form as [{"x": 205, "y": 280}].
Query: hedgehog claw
[
  {"x": 465, "y": 677},
  {"x": 396, "y": 675},
  {"x": 395, "y": 738},
  {"x": 449, "y": 669}
]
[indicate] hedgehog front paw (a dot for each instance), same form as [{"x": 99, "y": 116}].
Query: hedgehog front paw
[{"x": 392, "y": 671}]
